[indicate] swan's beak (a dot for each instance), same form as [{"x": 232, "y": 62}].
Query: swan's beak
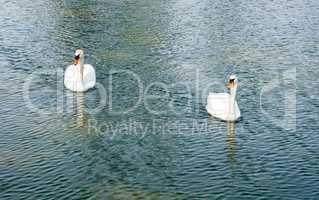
[{"x": 76, "y": 60}]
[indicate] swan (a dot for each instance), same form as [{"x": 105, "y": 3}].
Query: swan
[
  {"x": 224, "y": 105},
  {"x": 79, "y": 77}
]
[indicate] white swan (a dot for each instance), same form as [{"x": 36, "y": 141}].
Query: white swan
[
  {"x": 224, "y": 105},
  {"x": 79, "y": 77}
]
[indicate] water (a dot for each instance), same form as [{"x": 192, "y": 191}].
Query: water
[{"x": 54, "y": 146}]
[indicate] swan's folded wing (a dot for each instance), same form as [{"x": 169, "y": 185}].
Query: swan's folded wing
[
  {"x": 72, "y": 79},
  {"x": 218, "y": 102},
  {"x": 89, "y": 76},
  {"x": 218, "y": 95},
  {"x": 218, "y": 105},
  {"x": 68, "y": 74}
]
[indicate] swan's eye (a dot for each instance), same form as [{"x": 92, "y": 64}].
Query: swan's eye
[{"x": 77, "y": 57}]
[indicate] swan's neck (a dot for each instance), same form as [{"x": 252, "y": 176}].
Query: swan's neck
[
  {"x": 233, "y": 91},
  {"x": 81, "y": 65},
  {"x": 232, "y": 97}
]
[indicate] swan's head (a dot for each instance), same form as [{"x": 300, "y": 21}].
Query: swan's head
[
  {"x": 78, "y": 55},
  {"x": 232, "y": 78}
]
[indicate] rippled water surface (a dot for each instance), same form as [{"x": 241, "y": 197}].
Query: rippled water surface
[{"x": 59, "y": 145}]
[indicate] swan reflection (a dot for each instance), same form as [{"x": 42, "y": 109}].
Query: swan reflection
[
  {"x": 80, "y": 112},
  {"x": 231, "y": 143}
]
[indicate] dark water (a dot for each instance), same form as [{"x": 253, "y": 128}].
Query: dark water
[{"x": 58, "y": 145}]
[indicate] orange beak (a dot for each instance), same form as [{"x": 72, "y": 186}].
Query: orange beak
[{"x": 76, "y": 61}]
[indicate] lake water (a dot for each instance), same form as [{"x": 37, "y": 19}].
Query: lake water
[{"x": 143, "y": 132}]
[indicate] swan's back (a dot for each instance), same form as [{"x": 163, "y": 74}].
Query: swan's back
[
  {"x": 73, "y": 80},
  {"x": 89, "y": 76},
  {"x": 218, "y": 103},
  {"x": 222, "y": 106}
]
